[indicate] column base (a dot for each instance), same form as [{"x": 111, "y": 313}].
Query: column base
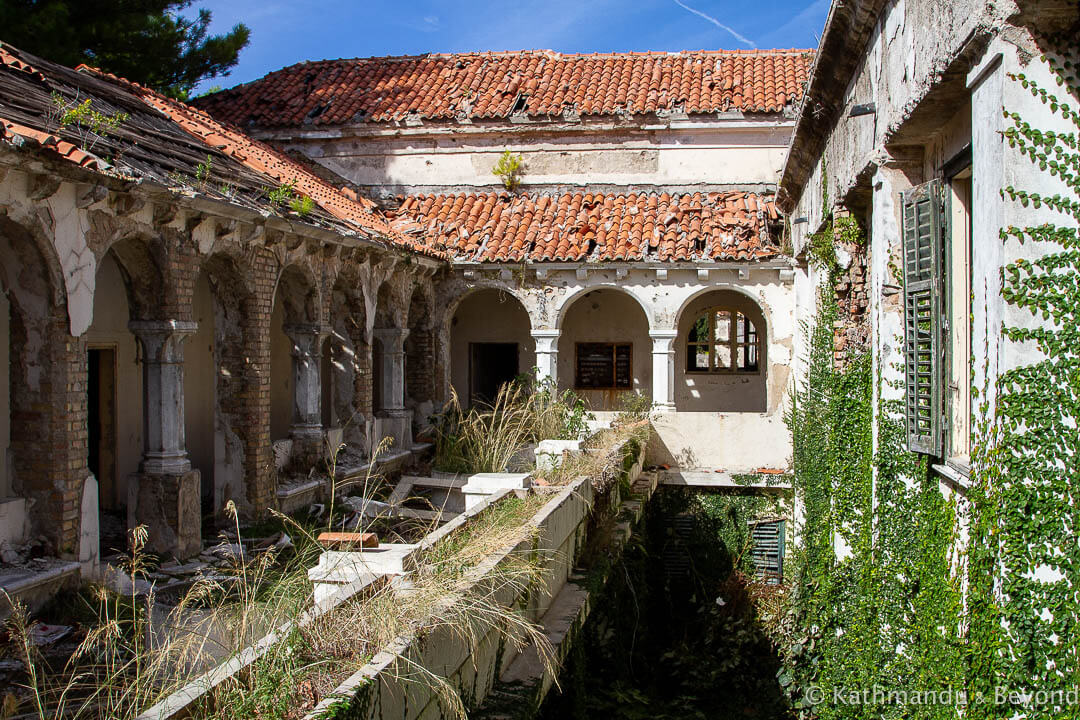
[
  {"x": 308, "y": 446},
  {"x": 398, "y": 427},
  {"x": 169, "y": 507}
]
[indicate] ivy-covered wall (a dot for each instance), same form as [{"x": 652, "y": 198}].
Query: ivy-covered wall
[{"x": 913, "y": 600}]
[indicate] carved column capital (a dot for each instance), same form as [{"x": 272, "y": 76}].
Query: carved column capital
[{"x": 162, "y": 340}]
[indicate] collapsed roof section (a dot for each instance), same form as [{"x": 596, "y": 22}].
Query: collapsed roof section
[
  {"x": 125, "y": 131},
  {"x": 585, "y": 226},
  {"x": 502, "y": 85}
]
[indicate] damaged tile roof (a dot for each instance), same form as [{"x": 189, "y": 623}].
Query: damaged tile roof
[
  {"x": 579, "y": 226},
  {"x": 498, "y": 85},
  {"x": 167, "y": 143}
]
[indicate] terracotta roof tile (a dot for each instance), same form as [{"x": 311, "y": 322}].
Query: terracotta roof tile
[
  {"x": 163, "y": 141},
  {"x": 497, "y": 85},
  {"x": 69, "y": 151},
  {"x": 578, "y": 226},
  {"x": 262, "y": 158}
]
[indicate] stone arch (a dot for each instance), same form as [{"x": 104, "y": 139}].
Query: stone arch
[
  {"x": 474, "y": 287},
  {"x": 568, "y": 301},
  {"x": 599, "y": 320},
  {"x": 297, "y": 294},
  {"x": 41, "y": 492},
  {"x": 140, "y": 262},
  {"x": 490, "y": 338},
  {"x": 217, "y": 381},
  {"x": 727, "y": 388},
  {"x": 763, "y": 307}
]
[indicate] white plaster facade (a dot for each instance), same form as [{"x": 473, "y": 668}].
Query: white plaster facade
[
  {"x": 651, "y": 306},
  {"x": 730, "y": 149},
  {"x": 728, "y": 422},
  {"x": 937, "y": 78}
]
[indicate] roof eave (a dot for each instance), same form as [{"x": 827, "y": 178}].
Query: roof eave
[{"x": 847, "y": 30}]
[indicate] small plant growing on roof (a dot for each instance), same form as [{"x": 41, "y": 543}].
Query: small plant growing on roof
[
  {"x": 91, "y": 125},
  {"x": 281, "y": 195},
  {"x": 202, "y": 171},
  {"x": 509, "y": 168},
  {"x": 302, "y": 205}
]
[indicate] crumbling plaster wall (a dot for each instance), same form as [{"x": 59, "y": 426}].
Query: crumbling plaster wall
[
  {"x": 77, "y": 220},
  {"x": 734, "y": 441},
  {"x": 913, "y": 45},
  {"x": 743, "y": 151},
  {"x": 925, "y": 117}
]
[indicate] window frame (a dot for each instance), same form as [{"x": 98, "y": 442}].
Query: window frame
[
  {"x": 733, "y": 343},
  {"x": 958, "y": 168},
  {"x": 615, "y": 344}
]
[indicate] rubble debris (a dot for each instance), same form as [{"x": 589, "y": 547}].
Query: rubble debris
[
  {"x": 42, "y": 634},
  {"x": 123, "y": 584},
  {"x": 348, "y": 539}
]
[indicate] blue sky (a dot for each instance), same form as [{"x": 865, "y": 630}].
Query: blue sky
[{"x": 284, "y": 32}]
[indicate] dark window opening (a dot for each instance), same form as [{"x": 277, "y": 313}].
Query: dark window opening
[{"x": 604, "y": 366}]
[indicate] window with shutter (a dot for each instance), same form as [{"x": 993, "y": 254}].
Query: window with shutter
[
  {"x": 767, "y": 551},
  {"x": 922, "y": 229}
]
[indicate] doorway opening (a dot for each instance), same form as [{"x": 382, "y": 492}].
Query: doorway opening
[
  {"x": 491, "y": 365},
  {"x": 101, "y": 439}
]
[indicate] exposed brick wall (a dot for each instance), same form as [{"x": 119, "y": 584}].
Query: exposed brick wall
[
  {"x": 420, "y": 365},
  {"x": 851, "y": 331},
  {"x": 48, "y": 427},
  {"x": 181, "y": 271},
  {"x": 258, "y": 456}
]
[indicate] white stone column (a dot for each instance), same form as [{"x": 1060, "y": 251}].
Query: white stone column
[
  {"x": 164, "y": 443},
  {"x": 547, "y": 354},
  {"x": 307, "y": 380},
  {"x": 164, "y": 494},
  {"x": 663, "y": 375}
]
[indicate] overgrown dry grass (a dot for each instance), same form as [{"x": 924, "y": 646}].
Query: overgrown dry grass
[
  {"x": 133, "y": 657},
  {"x": 138, "y": 653},
  {"x": 483, "y": 439},
  {"x": 605, "y": 458},
  {"x": 487, "y": 438},
  {"x": 439, "y": 594}
]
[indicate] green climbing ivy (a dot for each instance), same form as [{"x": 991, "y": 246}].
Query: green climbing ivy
[
  {"x": 1029, "y": 510},
  {"x": 874, "y": 603},
  {"x": 887, "y": 595}
]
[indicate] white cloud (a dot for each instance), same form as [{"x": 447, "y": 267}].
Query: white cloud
[{"x": 717, "y": 23}]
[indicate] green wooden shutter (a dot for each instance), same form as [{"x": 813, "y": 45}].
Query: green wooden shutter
[
  {"x": 923, "y": 220},
  {"x": 767, "y": 551}
]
